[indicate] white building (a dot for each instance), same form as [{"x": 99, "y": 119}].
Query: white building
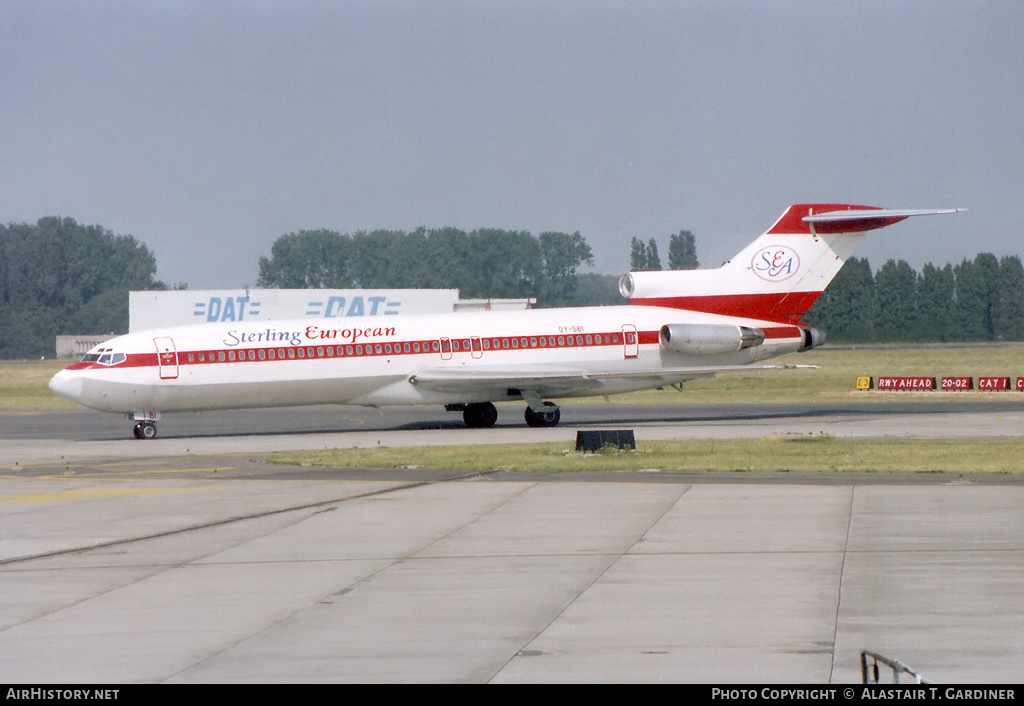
[{"x": 181, "y": 307}]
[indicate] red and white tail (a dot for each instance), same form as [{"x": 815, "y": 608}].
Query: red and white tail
[{"x": 778, "y": 276}]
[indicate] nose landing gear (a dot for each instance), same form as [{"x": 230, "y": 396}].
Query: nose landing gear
[
  {"x": 145, "y": 424},
  {"x": 145, "y": 430}
]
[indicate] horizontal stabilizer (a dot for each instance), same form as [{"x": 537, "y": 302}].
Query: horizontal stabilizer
[
  {"x": 857, "y": 220},
  {"x": 878, "y": 213}
]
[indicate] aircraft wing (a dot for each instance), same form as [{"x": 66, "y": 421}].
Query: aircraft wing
[{"x": 549, "y": 381}]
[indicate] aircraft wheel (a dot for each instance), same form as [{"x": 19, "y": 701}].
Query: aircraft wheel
[
  {"x": 547, "y": 418},
  {"x": 145, "y": 430},
  {"x": 481, "y": 415}
]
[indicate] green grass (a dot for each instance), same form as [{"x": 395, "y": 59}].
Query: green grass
[
  {"x": 795, "y": 454},
  {"x": 23, "y": 385},
  {"x": 837, "y": 372}
]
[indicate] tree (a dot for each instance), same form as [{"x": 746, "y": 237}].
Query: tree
[
  {"x": 846, "y": 309},
  {"x": 561, "y": 254},
  {"x": 308, "y": 259},
  {"x": 896, "y": 293},
  {"x": 447, "y": 257},
  {"x": 60, "y": 276},
  {"x": 637, "y": 255},
  {"x": 481, "y": 264},
  {"x": 377, "y": 259},
  {"x": 1009, "y": 322},
  {"x": 682, "y": 251},
  {"x": 504, "y": 264},
  {"x": 594, "y": 289},
  {"x": 935, "y": 290},
  {"x": 976, "y": 298},
  {"x": 653, "y": 260}
]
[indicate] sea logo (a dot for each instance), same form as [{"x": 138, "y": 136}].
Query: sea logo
[{"x": 775, "y": 263}]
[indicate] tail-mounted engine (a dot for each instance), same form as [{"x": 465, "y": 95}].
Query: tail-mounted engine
[
  {"x": 812, "y": 338},
  {"x": 707, "y": 339}
]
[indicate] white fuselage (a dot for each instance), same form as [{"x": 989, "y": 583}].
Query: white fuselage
[{"x": 479, "y": 356}]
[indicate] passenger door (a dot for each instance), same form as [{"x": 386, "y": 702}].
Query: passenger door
[
  {"x": 630, "y": 342},
  {"x": 167, "y": 358}
]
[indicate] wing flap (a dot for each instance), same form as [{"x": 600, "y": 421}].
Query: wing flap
[{"x": 565, "y": 381}]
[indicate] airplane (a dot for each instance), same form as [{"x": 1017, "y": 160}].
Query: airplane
[{"x": 677, "y": 326}]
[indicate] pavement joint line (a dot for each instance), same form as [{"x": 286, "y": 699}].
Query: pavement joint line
[{"x": 231, "y": 520}]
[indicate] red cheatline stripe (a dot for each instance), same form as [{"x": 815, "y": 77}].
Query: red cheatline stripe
[
  {"x": 433, "y": 348},
  {"x": 783, "y": 307}
]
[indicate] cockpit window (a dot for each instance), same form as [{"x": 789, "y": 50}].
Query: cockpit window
[{"x": 104, "y": 356}]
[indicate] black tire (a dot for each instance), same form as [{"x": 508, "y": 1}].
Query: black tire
[
  {"x": 481, "y": 415},
  {"x": 546, "y": 418}
]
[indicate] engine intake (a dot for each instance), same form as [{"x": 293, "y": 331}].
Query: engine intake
[{"x": 707, "y": 339}]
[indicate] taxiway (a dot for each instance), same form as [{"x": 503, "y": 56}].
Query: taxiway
[{"x": 187, "y": 559}]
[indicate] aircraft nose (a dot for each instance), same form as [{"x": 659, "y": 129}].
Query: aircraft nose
[{"x": 67, "y": 385}]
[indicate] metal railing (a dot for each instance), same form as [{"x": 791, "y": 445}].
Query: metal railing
[{"x": 869, "y": 662}]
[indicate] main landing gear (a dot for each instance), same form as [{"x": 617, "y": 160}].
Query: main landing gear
[
  {"x": 483, "y": 415},
  {"x": 480, "y": 415},
  {"x": 548, "y": 416}
]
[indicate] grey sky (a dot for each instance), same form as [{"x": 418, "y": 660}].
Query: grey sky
[{"x": 208, "y": 129}]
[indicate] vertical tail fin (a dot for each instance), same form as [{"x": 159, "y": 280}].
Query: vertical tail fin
[{"x": 780, "y": 275}]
